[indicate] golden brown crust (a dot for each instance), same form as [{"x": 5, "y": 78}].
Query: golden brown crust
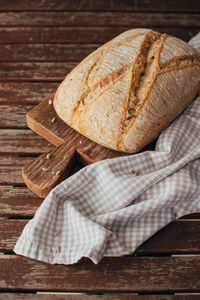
[
  {"x": 107, "y": 94},
  {"x": 139, "y": 82}
]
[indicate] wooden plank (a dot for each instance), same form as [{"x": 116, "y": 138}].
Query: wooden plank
[
  {"x": 37, "y": 71},
  {"x": 81, "y": 296},
  {"x": 11, "y": 169},
  {"x": 177, "y": 237},
  {"x": 78, "y": 34},
  {"x": 45, "y": 52},
  {"x": 107, "y": 19},
  {"x": 109, "y": 5},
  {"x": 22, "y": 141},
  {"x": 18, "y": 201},
  {"x": 14, "y": 115},
  {"x": 129, "y": 274},
  {"x": 26, "y": 92},
  {"x": 58, "y": 34}
]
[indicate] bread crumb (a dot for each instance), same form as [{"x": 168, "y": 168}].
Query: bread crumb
[
  {"x": 53, "y": 120},
  {"x": 45, "y": 169},
  {"x": 50, "y": 101},
  {"x": 48, "y": 155},
  {"x": 56, "y": 232},
  {"x": 58, "y": 172}
]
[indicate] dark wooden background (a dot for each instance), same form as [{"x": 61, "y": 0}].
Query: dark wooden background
[{"x": 41, "y": 41}]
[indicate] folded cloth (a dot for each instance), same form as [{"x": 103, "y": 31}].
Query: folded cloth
[{"x": 111, "y": 207}]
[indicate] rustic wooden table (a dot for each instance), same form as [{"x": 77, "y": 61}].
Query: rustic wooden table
[{"x": 40, "y": 41}]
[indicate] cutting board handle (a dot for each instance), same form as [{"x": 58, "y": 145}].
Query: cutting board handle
[{"x": 44, "y": 172}]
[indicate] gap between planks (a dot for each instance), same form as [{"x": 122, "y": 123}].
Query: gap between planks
[
  {"x": 20, "y": 294},
  {"x": 60, "y": 293},
  {"x": 185, "y": 255},
  {"x": 143, "y": 274},
  {"x": 181, "y": 220}
]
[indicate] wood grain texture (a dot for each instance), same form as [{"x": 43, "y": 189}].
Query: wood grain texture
[
  {"x": 40, "y": 42},
  {"x": 176, "y": 238},
  {"x": 39, "y": 119},
  {"x": 43, "y": 173},
  {"x": 14, "y": 116},
  {"x": 37, "y": 71},
  {"x": 17, "y": 202},
  {"x": 109, "y": 5},
  {"x": 46, "y": 52},
  {"x": 135, "y": 273},
  {"x": 85, "y": 35},
  {"x": 105, "y": 296},
  {"x": 58, "y": 34},
  {"x": 26, "y": 92},
  {"x": 11, "y": 169},
  {"x": 22, "y": 141},
  {"x": 107, "y": 19}
]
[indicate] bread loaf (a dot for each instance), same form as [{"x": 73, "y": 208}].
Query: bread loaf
[{"x": 127, "y": 91}]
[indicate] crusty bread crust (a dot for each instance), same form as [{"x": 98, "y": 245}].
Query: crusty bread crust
[{"x": 126, "y": 92}]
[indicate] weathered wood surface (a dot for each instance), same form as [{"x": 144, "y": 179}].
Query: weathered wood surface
[
  {"x": 111, "y": 274},
  {"x": 11, "y": 169},
  {"x": 17, "y": 202},
  {"x": 109, "y": 5},
  {"x": 177, "y": 237},
  {"x": 37, "y": 71},
  {"x": 26, "y": 92},
  {"x": 104, "y": 296},
  {"x": 40, "y": 42},
  {"x": 14, "y": 116},
  {"x": 46, "y": 52},
  {"x": 18, "y": 141},
  {"x": 98, "y": 19},
  {"x": 85, "y": 35},
  {"x": 43, "y": 173}
]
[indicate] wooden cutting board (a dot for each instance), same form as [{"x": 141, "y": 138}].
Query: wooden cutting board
[{"x": 44, "y": 172}]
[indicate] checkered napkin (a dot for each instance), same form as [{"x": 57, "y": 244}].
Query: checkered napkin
[{"x": 111, "y": 207}]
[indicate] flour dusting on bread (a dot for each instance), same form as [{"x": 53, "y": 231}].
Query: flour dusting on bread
[{"x": 126, "y": 92}]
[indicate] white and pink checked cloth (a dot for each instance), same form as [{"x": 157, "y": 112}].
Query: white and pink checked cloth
[{"x": 106, "y": 210}]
